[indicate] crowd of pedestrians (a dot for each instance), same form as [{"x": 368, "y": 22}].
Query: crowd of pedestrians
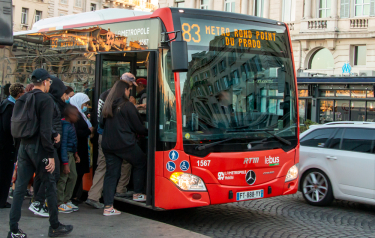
[{"x": 45, "y": 130}]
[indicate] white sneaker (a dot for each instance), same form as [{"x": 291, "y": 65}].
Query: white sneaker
[
  {"x": 139, "y": 197},
  {"x": 63, "y": 208},
  {"x": 38, "y": 209},
  {"x": 72, "y": 206}
]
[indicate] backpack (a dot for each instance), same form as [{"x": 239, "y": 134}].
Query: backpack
[{"x": 24, "y": 122}]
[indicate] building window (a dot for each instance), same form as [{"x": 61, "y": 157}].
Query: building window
[
  {"x": 324, "y": 9},
  {"x": 229, "y": 6},
  {"x": 78, "y": 3},
  {"x": 25, "y": 13},
  {"x": 359, "y": 55},
  {"x": 38, "y": 15},
  {"x": 321, "y": 59},
  {"x": 362, "y": 8},
  {"x": 180, "y": 3},
  {"x": 258, "y": 8},
  {"x": 204, "y": 4},
  {"x": 289, "y": 10},
  {"x": 64, "y": 1},
  {"x": 93, "y": 7}
]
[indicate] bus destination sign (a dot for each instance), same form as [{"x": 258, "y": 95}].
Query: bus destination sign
[
  {"x": 69, "y": 42},
  {"x": 208, "y": 32}
]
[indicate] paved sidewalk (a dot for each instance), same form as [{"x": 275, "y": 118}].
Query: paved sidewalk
[{"x": 89, "y": 222}]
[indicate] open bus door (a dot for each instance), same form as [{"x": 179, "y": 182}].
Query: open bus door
[{"x": 143, "y": 64}]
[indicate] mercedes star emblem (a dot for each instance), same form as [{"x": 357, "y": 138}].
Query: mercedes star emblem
[{"x": 250, "y": 177}]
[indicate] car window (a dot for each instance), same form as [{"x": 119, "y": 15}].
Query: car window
[
  {"x": 335, "y": 141},
  {"x": 358, "y": 139},
  {"x": 317, "y": 138}
]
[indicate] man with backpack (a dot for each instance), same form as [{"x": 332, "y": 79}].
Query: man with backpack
[
  {"x": 32, "y": 123},
  {"x": 7, "y": 147}
]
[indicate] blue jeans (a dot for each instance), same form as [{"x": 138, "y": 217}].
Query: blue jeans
[
  {"x": 29, "y": 163},
  {"x": 136, "y": 158}
]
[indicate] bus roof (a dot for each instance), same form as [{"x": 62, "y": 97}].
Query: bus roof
[
  {"x": 112, "y": 15},
  {"x": 87, "y": 17}
]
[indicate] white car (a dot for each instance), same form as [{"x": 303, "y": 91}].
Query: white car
[{"x": 337, "y": 160}]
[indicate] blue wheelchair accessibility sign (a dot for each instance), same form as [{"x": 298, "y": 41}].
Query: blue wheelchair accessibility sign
[
  {"x": 173, "y": 155},
  {"x": 184, "y": 165},
  {"x": 171, "y": 166}
]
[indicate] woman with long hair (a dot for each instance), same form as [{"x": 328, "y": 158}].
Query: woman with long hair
[{"x": 121, "y": 122}]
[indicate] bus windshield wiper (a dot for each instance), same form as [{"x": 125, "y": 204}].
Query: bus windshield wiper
[
  {"x": 202, "y": 147},
  {"x": 263, "y": 130}
]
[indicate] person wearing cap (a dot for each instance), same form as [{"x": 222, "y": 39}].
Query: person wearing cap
[
  {"x": 36, "y": 155},
  {"x": 7, "y": 147}
]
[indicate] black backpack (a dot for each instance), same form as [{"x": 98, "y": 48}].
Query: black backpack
[{"x": 24, "y": 122}]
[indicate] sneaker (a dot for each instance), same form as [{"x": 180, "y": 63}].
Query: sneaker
[
  {"x": 95, "y": 204},
  {"x": 11, "y": 191},
  {"x": 120, "y": 195},
  {"x": 139, "y": 197},
  {"x": 39, "y": 209},
  {"x": 60, "y": 231},
  {"x": 72, "y": 206},
  {"x": 63, "y": 208},
  {"x": 28, "y": 194},
  {"x": 19, "y": 234},
  {"x": 129, "y": 194},
  {"x": 111, "y": 212}
]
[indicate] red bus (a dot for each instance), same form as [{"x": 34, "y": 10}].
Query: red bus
[{"x": 221, "y": 106}]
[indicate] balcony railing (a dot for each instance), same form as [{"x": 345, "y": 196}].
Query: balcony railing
[
  {"x": 317, "y": 24},
  {"x": 290, "y": 26},
  {"x": 358, "y": 23}
]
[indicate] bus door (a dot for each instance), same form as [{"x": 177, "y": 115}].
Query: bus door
[{"x": 142, "y": 64}]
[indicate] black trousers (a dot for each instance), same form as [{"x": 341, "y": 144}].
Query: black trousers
[
  {"x": 39, "y": 188},
  {"x": 6, "y": 173},
  {"x": 136, "y": 158},
  {"x": 29, "y": 163}
]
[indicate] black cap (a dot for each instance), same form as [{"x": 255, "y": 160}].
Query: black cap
[{"x": 39, "y": 75}]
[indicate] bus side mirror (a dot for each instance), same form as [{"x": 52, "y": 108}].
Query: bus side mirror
[
  {"x": 179, "y": 56},
  {"x": 6, "y": 22}
]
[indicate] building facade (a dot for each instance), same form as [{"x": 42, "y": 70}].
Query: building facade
[{"x": 27, "y": 12}]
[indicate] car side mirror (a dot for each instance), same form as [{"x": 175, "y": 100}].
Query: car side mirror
[{"x": 179, "y": 56}]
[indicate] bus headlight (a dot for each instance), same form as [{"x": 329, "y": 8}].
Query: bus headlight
[
  {"x": 292, "y": 173},
  {"x": 188, "y": 181}
]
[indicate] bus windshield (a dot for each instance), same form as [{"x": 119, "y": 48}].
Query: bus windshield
[{"x": 240, "y": 86}]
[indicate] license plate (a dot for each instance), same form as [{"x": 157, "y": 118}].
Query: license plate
[{"x": 249, "y": 195}]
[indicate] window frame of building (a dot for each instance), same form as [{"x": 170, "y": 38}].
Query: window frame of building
[
  {"x": 24, "y": 16},
  {"x": 229, "y": 5},
  {"x": 179, "y": 3},
  {"x": 92, "y": 7},
  {"x": 258, "y": 8},
  {"x": 326, "y": 9},
  {"x": 288, "y": 10},
  {"x": 78, "y": 3},
  {"x": 38, "y": 17},
  {"x": 64, "y": 1},
  {"x": 356, "y": 57},
  {"x": 363, "y": 4},
  {"x": 203, "y": 4}
]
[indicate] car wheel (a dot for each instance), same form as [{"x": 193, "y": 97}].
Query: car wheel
[{"x": 316, "y": 188}]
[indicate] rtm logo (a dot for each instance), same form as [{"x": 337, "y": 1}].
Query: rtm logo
[
  {"x": 251, "y": 160},
  {"x": 272, "y": 160}
]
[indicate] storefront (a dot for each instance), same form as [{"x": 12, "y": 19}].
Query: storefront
[{"x": 327, "y": 99}]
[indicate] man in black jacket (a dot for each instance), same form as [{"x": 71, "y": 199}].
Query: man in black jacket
[
  {"x": 7, "y": 148},
  {"x": 56, "y": 91},
  {"x": 36, "y": 154}
]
